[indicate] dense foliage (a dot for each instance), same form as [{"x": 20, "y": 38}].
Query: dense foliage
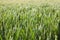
[{"x": 29, "y": 22}]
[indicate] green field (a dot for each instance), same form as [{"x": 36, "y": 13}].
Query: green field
[{"x": 29, "y": 22}]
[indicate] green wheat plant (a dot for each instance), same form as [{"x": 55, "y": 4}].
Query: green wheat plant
[{"x": 29, "y": 22}]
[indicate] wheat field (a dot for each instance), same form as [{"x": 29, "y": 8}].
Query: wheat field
[{"x": 29, "y": 20}]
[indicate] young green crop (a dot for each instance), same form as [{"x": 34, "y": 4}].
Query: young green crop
[{"x": 32, "y": 22}]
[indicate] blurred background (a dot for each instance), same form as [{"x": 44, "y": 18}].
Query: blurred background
[{"x": 29, "y": 1}]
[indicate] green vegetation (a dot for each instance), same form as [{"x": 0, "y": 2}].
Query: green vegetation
[{"x": 29, "y": 22}]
